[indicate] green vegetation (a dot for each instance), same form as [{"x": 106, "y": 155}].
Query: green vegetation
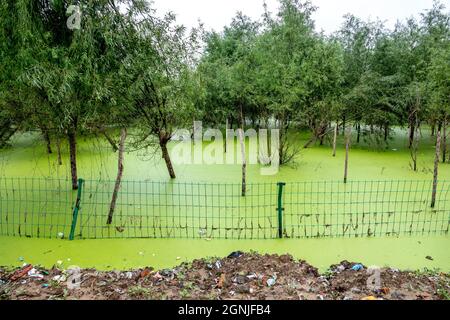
[{"x": 127, "y": 68}]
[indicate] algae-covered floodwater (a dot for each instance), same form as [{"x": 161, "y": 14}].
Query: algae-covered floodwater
[
  {"x": 96, "y": 161},
  {"x": 27, "y": 158},
  {"x": 121, "y": 254}
]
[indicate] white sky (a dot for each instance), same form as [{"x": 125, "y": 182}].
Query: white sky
[{"x": 215, "y": 14}]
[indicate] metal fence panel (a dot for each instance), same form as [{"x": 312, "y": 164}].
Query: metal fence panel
[{"x": 35, "y": 207}]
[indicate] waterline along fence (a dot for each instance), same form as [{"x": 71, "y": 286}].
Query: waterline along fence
[{"x": 48, "y": 208}]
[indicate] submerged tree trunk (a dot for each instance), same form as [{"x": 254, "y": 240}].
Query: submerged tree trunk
[
  {"x": 444, "y": 140},
  {"x": 322, "y": 135},
  {"x": 226, "y": 136},
  {"x": 343, "y": 125},
  {"x": 47, "y": 139},
  {"x": 414, "y": 148},
  {"x": 412, "y": 130},
  {"x": 358, "y": 138},
  {"x": 347, "y": 149},
  {"x": 436, "y": 169},
  {"x": 58, "y": 150},
  {"x": 335, "y": 139},
  {"x": 310, "y": 142},
  {"x": 244, "y": 161},
  {"x": 73, "y": 157},
  {"x": 163, "y": 140},
  {"x": 123, "y": 136}
]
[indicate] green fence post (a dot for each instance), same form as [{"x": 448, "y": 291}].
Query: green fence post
[
  {"x": 280, "y": 208},
  {"x": 76, "y": 209}
]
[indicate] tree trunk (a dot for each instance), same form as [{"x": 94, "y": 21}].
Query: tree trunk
[
  {"x": 244, "y": 161},
  {"x": 358, "y": 138},
  {"x": 414, "y": 147},
  {"x": 48, "y": 142},
  {"x": 412, "y": 130},
  {"x": 310, "y": 142},
  {"x": 335, "y": 139},
  {"x": 444, "y": 140},
  {"x": 436, "y": 169},
  {"x": 58, "y": 150},
  {"x": 347, "y": 149},
  {"x": 163, "y": 140},
  {"x": 343, "y": 125},
  {"x": 123, "y": 135},
  {"x": 323, "y": 132},
  {"x": 73, "y": 157},
  {"x": 386, "y": 132},
  {"x": 226, "y": 136}
]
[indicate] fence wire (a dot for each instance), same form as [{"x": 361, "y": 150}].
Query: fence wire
[{"x": 32, "y": 207}]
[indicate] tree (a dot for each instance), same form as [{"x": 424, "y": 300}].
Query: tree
[{"x": 156, "y": 74}]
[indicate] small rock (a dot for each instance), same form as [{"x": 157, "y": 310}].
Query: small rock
[
  {"x": 240, "y": 279},
  {"x": 243, "y": 288}
]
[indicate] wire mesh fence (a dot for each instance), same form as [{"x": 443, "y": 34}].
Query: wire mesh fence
[
  {"x": 179, "y": 210},
  {"x": 45, "y": 208},
  {"x": 34, "y": 207},
  {"x": 365, "y": 209}
]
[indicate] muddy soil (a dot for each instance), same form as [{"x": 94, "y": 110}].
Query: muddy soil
[{"x": 239, "y": 276}]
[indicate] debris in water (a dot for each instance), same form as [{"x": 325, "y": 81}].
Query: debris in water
[
  {"x": 33, "y": 273},
  {"x": 235, "y": 254},
  {"x": 358, "y": 267},
  {"x": 22, "y": 272},
  {"x": 429, "y": 258},
  {"x": 59, "y": 278}
]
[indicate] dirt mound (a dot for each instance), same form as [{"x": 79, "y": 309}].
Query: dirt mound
[{"x": 238, "y": 276}]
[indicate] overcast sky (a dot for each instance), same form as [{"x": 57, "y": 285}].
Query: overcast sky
[{"x": 215, "y": 14}]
